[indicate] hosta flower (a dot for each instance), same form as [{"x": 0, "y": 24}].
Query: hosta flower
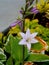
[
  {"x": 28, "y": 39},
  {"x": 17, "y": 22},
  {"x": 13, "y": 24},
  {"x": 34, "y": 10},
  {"x": 21, "y": 11}
]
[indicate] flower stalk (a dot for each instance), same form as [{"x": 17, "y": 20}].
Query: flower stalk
[{"x": 23, "y": 31}]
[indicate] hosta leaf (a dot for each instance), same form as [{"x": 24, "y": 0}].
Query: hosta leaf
[
  {"x": 39, "y": 7},
  {"x": 25, "y": 52},
  {"x": 1, "y": 50},
  {"x": 8, "y": 45},
  {"x": 17, "y": 63},
  {"x": 14, "y": 30},
  {"x": 29, "y": 7},
  {"x": 9, "y": 61},
  {"x": 42, "y": 2},
  {"x": 37, "y": 58},
  {"x": 16, "y": 49},
  {"x": 1, "y": 63},
  {"x": 47, "y": 7},
  {"x": 27, "y": 23},
  {"x": 37, "y": 46},
  {"x": 2, "y": 57}
]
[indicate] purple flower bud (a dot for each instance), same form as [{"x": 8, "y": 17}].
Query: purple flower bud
[
  {"x": 13, "y": 24},
  {"x": 17, "y": 22},
  {"x": 21, "y": 11},
  {"x": 34, "y": 10},
  {"x": 20, "y": 24}
]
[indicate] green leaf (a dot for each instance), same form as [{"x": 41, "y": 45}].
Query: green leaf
[
  {"x": 37, "y": 46},
  {"x": 37, "y": 58},
  {"x": 42, "y": 2},
  {"x": 1, "y": 63},
  {"x": 1, "y": 50},
  {"x": 16, "y": 49},
  {"x": 31, "y": 6},
  {"x": 12, "y": 46},
  {"x": 17, "y": 63},
  {"x": 25, "y": 52},
  {"x": 9, "y": 61},
  {"x": 2, "y": 57},
  {"x": 8, "y": 45}
]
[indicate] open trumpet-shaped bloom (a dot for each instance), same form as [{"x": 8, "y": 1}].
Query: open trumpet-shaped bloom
[{"x": 28, "y": 39}]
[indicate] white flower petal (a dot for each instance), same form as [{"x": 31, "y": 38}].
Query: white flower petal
[
  {"x": 33, "y": 41},
  {"x": 33, "y": 35},
  {"x": 22, "y": 34},
  {"x": 29, "y": 46},
  {"x": 23, "y": 42},
  {"x": 28, "y": 39},
  {"x": 28, "y": 33}
]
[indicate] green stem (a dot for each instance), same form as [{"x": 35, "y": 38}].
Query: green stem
[
  {"x": 34, "y": 16},
  {"x": 23, "y": 30}
]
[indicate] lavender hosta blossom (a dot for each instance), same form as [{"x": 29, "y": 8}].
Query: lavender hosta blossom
[
  {"x": 34, "y": 10},
  {"x": 17, "y": 22},
  {"x": 13, "y": 24},
  {"x": 21, "y": 11},
  {"x": 28, "y": 39}
]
